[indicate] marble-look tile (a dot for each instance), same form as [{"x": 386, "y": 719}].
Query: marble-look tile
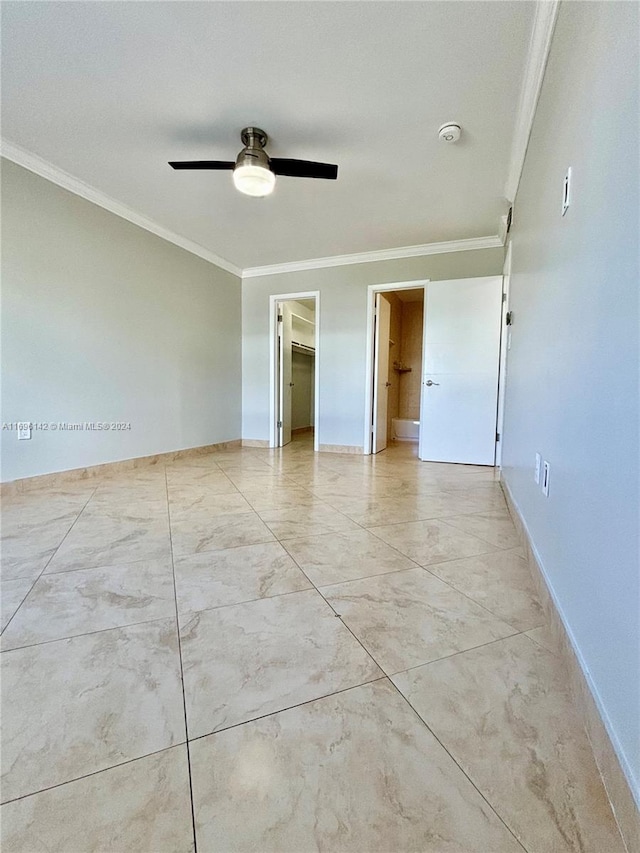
[
  {"x": 248, "y": 660},
  {"x": 416, "y": 507},
  {"x": 494, "y": 527},
  {"x": 197, "y": 503},
  {"x": 545, "y": 638},
  {"x": 87, "y": 703},
  {"x": 335, "y": 557},
  {"x": 12, "y": 593},
  {"x": 277, "y": 497},
  {"x": 250, "y": 475},
  {"x": 312, "y": 521},
  {"x": 505, "y": 714},
  {"x": 71, "y": 603},
  {"x": 353, "y": 772},
  {"x": 432, "y": 541},
  {"x": 28, "y": 566},
  {"x": 500, "y": 581},
  {"x": 31, "y": 532},
  {"x": 138, "y": 807},
  {"x": 216, "y": 578},
  {"x": 218, "y": 532},
  {"x": 407, "y": 618},
  {"x": 107, "y": 535},
  {"x": 214, "y": 480}
]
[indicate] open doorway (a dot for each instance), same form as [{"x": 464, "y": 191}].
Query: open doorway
[
  {"x": 435, "y": 381},
  {"x": 398, "y": 368},
  {"x": 294, "y": 374}
]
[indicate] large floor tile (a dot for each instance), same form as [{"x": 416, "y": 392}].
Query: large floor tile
[
  {"x": 335, "y": 557},
  {"x": 432, "y": 541},
  {"x": 218, "y": 532},
  {"x": 23, "y": 562},
  {"x": 408, "y": 618},
  {"x": 73, "y": 707},
  {"x": 504, "y": 713},
  {"x": 500, "y": 581},
  {"x": 115, "y": 533},
  {"x": 248, "y": 660},
  {"x": 495, "y": 527},
  {"x": 31, "y": 534},
  {"x": 12, "y": 593},
  {"x": 216, "y": 578},
  {"x": 354, "y": 772},
  {"x": 214, "y": 481},
  {"x": 196, "y": 504},
  {"x": 544, "y": 636},
  {"x": 140, "y": 807},
  {"x": 293, "y": 523},
  {"x": 88, "y": 600},
  {"x": 279, "y": 496}
]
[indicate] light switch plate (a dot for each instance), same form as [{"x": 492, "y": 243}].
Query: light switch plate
[
  {"x": 566, "y": 191},
  {"x": 546, "y": 470}
]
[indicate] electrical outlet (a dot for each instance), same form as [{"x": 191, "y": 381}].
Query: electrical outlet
[
  {"x": 546, "y": 469},
  {"x": 24, "y": 432},
  {"x": 536, "y": 475}
]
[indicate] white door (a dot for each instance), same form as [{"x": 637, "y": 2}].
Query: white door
[
  {"x": 381, "y": 372},
  {"x": 285, "y": 374},
  {"x": 461, "y": 354}
]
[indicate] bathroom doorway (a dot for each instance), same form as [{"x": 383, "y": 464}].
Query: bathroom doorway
[
  {"x": 398, "y": 332},
  {"x": 446, "y": 400}
]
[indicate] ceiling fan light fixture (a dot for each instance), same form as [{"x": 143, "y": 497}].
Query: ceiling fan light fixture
[{"x": 256, "y": 181}]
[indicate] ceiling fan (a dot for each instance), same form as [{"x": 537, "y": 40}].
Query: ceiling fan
[{"x": 254, "y": 172}]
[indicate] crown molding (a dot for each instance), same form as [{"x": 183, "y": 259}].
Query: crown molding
[
  {"x": 543, "y": 25},
  {"x": 469, "y": 244},
  {"x": 68, "y": 182}
]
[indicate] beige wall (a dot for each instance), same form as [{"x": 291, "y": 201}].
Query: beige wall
[
  {"x": 103, "y": 321},
  {"x": 395, "y": 335},
  {"x": 302, "y": 376},
  {"x": 411, "y": 356}
]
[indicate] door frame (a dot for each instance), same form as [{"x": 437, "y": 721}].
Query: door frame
[
  {"x": 274, "y": 299},
  {"x": 371, "y": 308},
  {"x": 505, "y": 345}
]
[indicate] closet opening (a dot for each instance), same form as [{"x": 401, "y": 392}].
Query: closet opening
[{"x": 294, "y": 374}]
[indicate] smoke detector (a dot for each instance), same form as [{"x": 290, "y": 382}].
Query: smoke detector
[{"x": 449, "y": 132}]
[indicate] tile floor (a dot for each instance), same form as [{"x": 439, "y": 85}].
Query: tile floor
[{"x": 279, "y": 651}]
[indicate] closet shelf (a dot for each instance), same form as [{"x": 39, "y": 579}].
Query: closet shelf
[
  {"x": 303, "y": 348},
  {"x": 400, "y": 368}
]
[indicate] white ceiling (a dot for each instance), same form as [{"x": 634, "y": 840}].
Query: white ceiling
[{"x": 110, "y": 91}]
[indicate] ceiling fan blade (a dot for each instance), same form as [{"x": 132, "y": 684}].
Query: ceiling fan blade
[
  {"x": 203, "y": 164},
  {"x": 303, "y": 169}
]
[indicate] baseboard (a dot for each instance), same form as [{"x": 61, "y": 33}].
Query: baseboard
[
  {"x": 57, "y": 478},
  {"x": 255, "y": 442},
  {"x": 301, "y": 430},
  {"x": 340, "y": 448},
  {"x": 583, "y": 693}
]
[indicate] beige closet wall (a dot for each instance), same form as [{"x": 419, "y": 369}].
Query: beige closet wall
[
  {"x": 395, "y": 335},
  {"x": 411, "y": 356}
]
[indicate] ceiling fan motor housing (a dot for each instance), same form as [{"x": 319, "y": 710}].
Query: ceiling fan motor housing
[{"x": 253, "y": 154}]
